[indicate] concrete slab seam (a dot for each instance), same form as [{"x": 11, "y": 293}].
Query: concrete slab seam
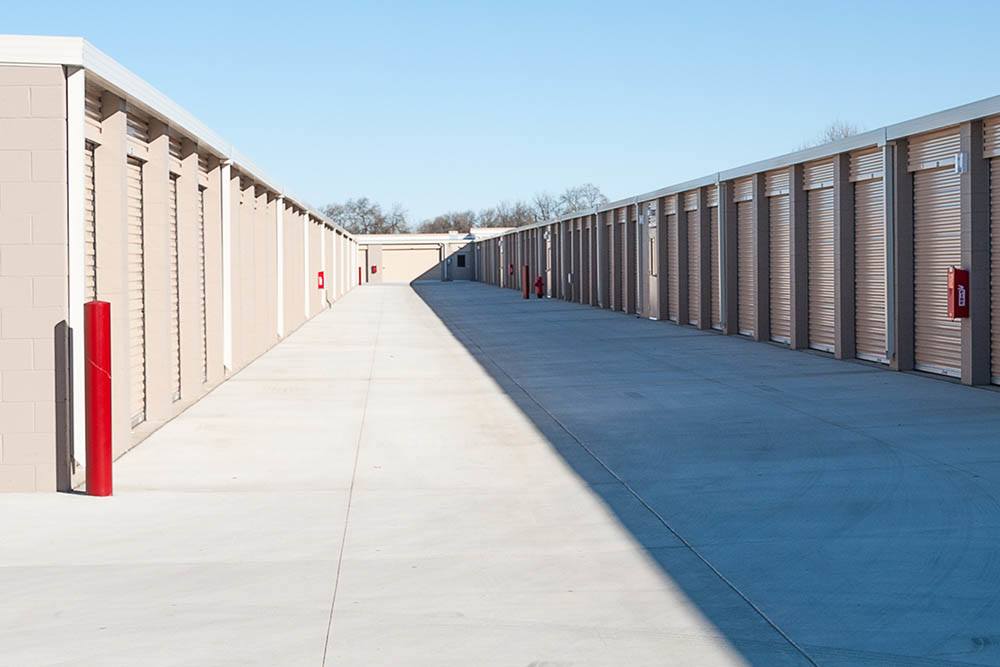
[
  {"x": 732, "y": 586},
  {"x": 350, "y": 491}
]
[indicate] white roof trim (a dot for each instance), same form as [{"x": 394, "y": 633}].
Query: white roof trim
[{"x": 78, "y": 52}]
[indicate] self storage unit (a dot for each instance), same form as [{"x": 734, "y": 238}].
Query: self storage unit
[
  {"x": 109, "y": 190},
  {"x": 843, "y": 248}
]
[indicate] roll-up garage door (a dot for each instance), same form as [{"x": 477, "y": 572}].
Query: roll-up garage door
[
  {"x": 136, "y": 295},
  {"x": 89, "y": 226},
  {"x": 869, "y": 269},
  {"x": 936, "y": 246},
  {"x": 995, "y": 267},
  {"x": 619, "y": 229},
  {"x": 694, "y": 266},
  {"x": 821, "y": 296},
  {"x": 746, "y": 289},
  {"x": 175, "y": 292},
  {"x": 585, "y": 263},
  {"x": 780, "y": 268},
  {"x": 577, "y": 262},
  {"x": 673, "y": 293},
  {"x": 202, "y": 285},
  {"x": 716, "y": 298}
]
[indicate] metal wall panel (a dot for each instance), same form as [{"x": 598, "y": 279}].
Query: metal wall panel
[
  {"x": 927, "y": 149},
  {"x": 780, "y": 268},
  {"x": 714, "y": 237},
  {"x": 673, "y": 294},
  {"x": 136, "y": 294},
  {"x": 691, "y": 201},
  {"x": 89, "y": 225},
  {"x": 743, "y": 189},
  {"x": 712, "y": 195},
  {"x": 991, "y": 137},
  {"x": 817, "y": 175},
  {"x": 869, "y": 163},
  {"x": 821, "y": 273},
  {"x": 746, "y": 286},
  {"x": 174, "y": 285},
  {"x": 936, "y": 246},
  {"x": 870, "y": 270},
  {"x": 694, "y": 266},
  {"x": 777, "y": 182}
]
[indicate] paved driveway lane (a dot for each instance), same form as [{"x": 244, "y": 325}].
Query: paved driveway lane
[{"x": 857, "y": 508}]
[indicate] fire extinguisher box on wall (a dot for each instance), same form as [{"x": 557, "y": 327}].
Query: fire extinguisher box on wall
[
  {"x": 320, "y": 280},
  {"x": 958, "y": 293}
]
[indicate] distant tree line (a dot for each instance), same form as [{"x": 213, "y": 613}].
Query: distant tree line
[{"x": 364, "y": 216}]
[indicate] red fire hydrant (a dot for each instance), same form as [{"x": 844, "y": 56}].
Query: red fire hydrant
[{"x": 539, "y": 287}]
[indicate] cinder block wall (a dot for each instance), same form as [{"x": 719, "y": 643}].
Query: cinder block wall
[
  {"x": 33, "y": 274},
  {"x": 169, "y": 315}
]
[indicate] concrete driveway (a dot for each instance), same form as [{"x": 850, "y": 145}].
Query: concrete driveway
[{"x": 454, "y": 476}]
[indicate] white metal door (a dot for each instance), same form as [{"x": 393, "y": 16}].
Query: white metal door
[{"x": 136, "y": 294}]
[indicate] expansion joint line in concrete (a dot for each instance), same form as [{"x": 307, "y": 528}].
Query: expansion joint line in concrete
[
  {"x": 350, "y": 491},
  {"x": 659, "y": 517}
]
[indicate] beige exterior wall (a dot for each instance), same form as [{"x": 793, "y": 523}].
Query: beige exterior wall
[
  {"x": 33, "y": 270},
  {"x": 37, "y": 275}
]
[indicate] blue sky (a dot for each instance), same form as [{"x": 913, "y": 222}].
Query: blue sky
[{"x": 453, "y": 105}]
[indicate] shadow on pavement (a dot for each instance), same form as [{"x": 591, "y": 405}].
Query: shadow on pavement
[{"x": 833, "y": 513}]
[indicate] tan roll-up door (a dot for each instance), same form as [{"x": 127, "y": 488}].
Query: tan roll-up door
[
  {"x": 174, "y": 331},
  {"x": 995, "y": 269},
  {"x": 936, "y": 246},
  {"x": 694, "y": 267},
  {"x": 869, "y": 270},
  {"x": 673, "y": 293},
  {"x": 202, "y": 285},
  {"x": 780, "y": 268},
  {"x": 821, "y": 280},
  {"x": 89, "y": 225},
  {"x": 716, "y": 298},
  {"x": 747, "y": 299},
  {"x": 136, "y": 294}
]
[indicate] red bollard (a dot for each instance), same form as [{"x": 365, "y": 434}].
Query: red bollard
[
  {"x": 97, "y": 381},
  {"x": 525, "y": 287}
]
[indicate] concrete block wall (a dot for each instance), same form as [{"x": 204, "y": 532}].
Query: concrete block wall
[
  {"x": 46, "y": 119},
  {"x": 33, "y": 270}
]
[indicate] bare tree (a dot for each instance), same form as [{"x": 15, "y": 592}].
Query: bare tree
[
  {"x": 836, "y": 130},
  {"x": 581, "y": 198},
  {"x": 459, "y": 221},
  {"x": 545, "y": 205},
  {"x": 363, "y": 216}
]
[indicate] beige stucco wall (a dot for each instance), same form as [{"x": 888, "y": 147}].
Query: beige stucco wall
[{"x": 33, "y": 270}]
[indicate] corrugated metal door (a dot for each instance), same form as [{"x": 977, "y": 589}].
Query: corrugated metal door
[
  {"x": 694, "y": 267},
  {"x": 202, "y": 285},
  {"x": 821, "y": 281},
  {"x": 136, "y": 295},
  {"x": 746, "y": 301},
  {"x": 869, "y": 270},
  {"x": 713, "y": 230},
  {"x": 175, "y": 291},
  {"x": 619, "y": 229},
  {"x": 936, "y": 246},
  {"x": 780, "y": 268},
  {"x": 673, "y": 293},
  {"x": 89, "y": 226},
  {"x": 995, "y": 268}
]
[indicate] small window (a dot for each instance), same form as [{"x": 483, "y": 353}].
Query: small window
[{"x": 461, "y": 261}]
